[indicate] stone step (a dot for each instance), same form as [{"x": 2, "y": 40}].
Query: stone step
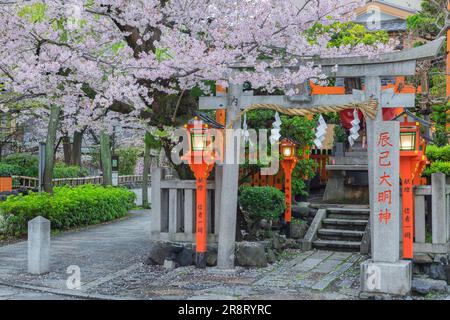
[
  {"x": 351, "y": 160},
  {"x": 349, "y": 210},
  {"x": 348, "y": 214},
  {"x": 334, "y": 245},
  {"x": 340, "y": 234},
  {"x": 345, "y": 224},
  {"x": 358, "y": 154},
  {"x": 347, "y": 167}
]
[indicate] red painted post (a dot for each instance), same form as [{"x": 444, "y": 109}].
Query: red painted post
[
  {"x": 290, "y": 160},
  {"x": 201, "y": 161}
]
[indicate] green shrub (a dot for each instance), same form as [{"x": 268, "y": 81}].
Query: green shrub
[
  {"x": 62, "y": 171},
  {"x": 127, "y": 160},
  {"x": 262, "y": 202},
  {"x": 7, "y": 170},
  {"x": 435, "y": 153},
  {"x": 28, "y": 163},
  {"x": 68, "y": 207},
  {"x": 438, "y": 166}
]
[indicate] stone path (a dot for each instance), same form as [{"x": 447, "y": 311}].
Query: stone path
[
  {"x": 99, "y": 251},
  {"x": 111, "y": 261}
]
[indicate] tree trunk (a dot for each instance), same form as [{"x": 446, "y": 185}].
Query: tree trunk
[
  {"x": 145, "y": 175},
  {"x": 105, "y": 158},
  {"x": 49, "y": 148},
  {"x": 67, "y": 150},
  {"x": 76, "y": 148}
]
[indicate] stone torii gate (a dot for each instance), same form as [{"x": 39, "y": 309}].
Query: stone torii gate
[{"x": 401, "y": 63}]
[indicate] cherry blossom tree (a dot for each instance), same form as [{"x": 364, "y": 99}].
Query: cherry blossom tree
[{"x": 103, "y": 63}]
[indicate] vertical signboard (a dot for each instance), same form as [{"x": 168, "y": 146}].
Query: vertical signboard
[{"x": 115, "y": 170}]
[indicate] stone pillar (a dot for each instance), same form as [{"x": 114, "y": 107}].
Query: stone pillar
[
  {"x": 385, "y": 273},
  {"x": 373, "y": 90},
  {"x": 230, "y": 180},
  {"x": 438, "y": 208},
  {"x": 419, "y": 219},
  {"x": 155, "y": 226},
  {"x": 38, "y": 245}
]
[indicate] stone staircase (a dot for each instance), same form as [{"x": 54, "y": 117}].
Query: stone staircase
[{"x": 342, "y": 229}]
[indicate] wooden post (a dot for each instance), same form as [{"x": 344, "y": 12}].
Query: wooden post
[
  {"x": 201, "y": 223},
  {"x": 407, "y": 207}
]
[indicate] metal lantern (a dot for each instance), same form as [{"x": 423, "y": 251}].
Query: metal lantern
[{"x": 287, "y": 149}]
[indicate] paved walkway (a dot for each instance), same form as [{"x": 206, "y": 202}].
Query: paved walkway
[
  {"x": 111, "y": 256},
  {"x": 99, "y": 251}
]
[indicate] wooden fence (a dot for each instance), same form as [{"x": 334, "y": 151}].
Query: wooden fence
[
  {"x": 322, "y": 159},
  {"x": 432, "y": 211},
  {"x": 173, "y": 209},
  {"x": 33, "y": 183}
]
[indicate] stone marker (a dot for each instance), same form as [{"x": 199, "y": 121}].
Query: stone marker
[
  {"x": 38, "y": 245},
  {"x": 386, "y": 273}
]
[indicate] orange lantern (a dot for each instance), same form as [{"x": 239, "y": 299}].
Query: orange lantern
[
  {"x": 200, "y": 158},
  {"x": 412, "y": 163},
  {"x": 289, "y": 161}
]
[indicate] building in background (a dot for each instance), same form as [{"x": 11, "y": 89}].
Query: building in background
[{"x": 389, "y": 16}]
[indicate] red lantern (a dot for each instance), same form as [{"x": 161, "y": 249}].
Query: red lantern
[
  {"x": 412, "y": 163},
  {"x": 288, "y": 163},
  {"x": 200, "y": 158}
]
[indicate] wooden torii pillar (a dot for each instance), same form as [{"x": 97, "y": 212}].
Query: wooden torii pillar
[{"x": 400, "y": 63}]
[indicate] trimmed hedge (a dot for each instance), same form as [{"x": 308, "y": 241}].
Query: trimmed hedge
[
  {"x": 438, "y": 166},
  {"x": 7, "y": 170},
  {"x": 68, "y": 207},
  {"x": 28, "y": 163},
  {"x": 62, "y": 171},
  {"x": 262, "y": 202},
  {"x": 435, "y": 153}
]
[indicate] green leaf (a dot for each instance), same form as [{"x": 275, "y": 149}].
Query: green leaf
[{"x": 34, "y": 13}]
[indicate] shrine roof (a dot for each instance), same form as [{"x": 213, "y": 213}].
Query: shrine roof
[
  {"x": 408, "y": 113},
  {"x": 208, "y": 120}
]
